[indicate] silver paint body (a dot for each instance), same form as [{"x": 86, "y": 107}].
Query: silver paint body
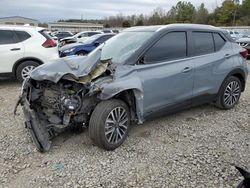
[{"x": 161, "y": 85}]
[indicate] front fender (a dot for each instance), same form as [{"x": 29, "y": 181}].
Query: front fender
[{"x": 109, "y": 90}]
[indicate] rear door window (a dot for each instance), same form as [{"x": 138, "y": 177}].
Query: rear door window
[
  {"x": 203, "y": 43},
  {"x": 218, "y": 41},
  {"x": 7, "y": 37},
  {"x": 22, "y": 35},
  {"x": 172, "y": 46}
]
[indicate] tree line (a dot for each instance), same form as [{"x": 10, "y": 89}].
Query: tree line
[{"x": 229, "y": 13}]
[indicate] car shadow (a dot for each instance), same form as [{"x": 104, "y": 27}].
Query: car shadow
[{"x": 9, "y": 82}]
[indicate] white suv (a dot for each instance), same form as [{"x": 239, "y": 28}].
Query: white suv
[{"x": 22, "y": 48}]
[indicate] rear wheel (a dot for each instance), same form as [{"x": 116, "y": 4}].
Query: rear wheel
[
  {"x": 24, "y": 69},
  {"x": 229, "y": 93},
  {"x": 109, "y": 123}
]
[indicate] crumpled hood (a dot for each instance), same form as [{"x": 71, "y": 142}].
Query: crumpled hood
[{"x": 76, "y": 66}]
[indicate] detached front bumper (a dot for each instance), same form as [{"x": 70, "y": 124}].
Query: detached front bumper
[{"x": 39, "y": 133}]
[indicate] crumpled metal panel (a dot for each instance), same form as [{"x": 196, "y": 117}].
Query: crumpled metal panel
[{"x": 76, "y": 66}]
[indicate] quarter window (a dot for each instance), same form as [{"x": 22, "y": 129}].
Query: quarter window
[
  {"x": 203, "y": 43},
  {"x": 7, "y": 37},
  {"x": 218, "y": 41},
  {"x": 22, "y": 35},
  {"x": 172, "y": 46}
]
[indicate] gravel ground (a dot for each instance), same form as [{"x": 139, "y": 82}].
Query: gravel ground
[{"x": 194, "y": 148}]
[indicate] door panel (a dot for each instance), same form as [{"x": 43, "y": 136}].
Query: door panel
[
  {"x": 211, "y": 69},
  {"x": 10, "y": 51},
  {"x": 166, "y": 83}
]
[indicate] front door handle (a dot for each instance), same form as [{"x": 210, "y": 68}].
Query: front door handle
[
  {"x": 15, "y": 49},
  {"x": 227, "y": 56},
  {"x": 186, "y": 69}
]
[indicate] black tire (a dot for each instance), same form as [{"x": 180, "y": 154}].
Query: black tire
[
  {"x": 97, "y": 124},
  {"x": 22, "y": 66},
  {"x": 220, "y": 102},
  {"x": 81, "y": 53}
]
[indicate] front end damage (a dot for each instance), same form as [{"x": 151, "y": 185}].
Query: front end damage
[{"x": 51, "y": 106}]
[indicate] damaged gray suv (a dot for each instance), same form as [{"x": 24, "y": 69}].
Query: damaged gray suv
[{"x": 141, "y": 73}]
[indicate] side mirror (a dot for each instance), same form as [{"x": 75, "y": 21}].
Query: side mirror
[
  {"x": 79, "y": 36},
  {"x": 141, "y": 61}
]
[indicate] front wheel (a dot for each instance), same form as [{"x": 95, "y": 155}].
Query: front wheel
[
  {"x": 24, "y": 69},
  {"x": 109, "y": 123},
  {"x": 229, "y": 93}
]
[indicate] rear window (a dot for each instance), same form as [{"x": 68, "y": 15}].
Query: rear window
[
  {"x": 45, "y": 34},
  {"x": 7, "y": 37},
  {"x": 204, "y": 43},
  {"x": 218, "y": 41},
  {"x": 22, "y": 35}
]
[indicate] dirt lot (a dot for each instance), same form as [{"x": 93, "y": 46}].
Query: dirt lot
[{"x": 194, "y": 148}]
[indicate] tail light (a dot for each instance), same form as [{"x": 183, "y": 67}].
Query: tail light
[
  {"x": 49, "y": 43},
  {"x": 244, "y": 53}
]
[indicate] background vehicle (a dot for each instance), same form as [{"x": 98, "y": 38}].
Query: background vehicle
[
  {"x": 84, "y": 48},
  {"x": 138, "y": 74},
  {"x": 235, "y": 34},
  {"x": 79, "y": 37},
  {"x": 245, "y": 43},
  {"x": 52, "y": 36},
  {"x": 63, "y": 35},
  {"x": 23, "y": 48},
  {"x": 62, "y": 32},
  {"x": 110, "y": 31}
]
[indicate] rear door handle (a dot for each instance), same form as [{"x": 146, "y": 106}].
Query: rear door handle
[
  {"x": 227, "y": 56},
  {"x": 15, "y": 49},
  {"x": 186, "y": 69}
]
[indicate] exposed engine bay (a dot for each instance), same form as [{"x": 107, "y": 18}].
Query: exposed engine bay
[
  {"x": 50, "y": 107},
  {"x": 67, "y": 92},
  {"x": 61, "y": 103}
]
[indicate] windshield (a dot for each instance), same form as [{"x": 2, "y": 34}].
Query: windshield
[
  {"x": 91, "y": 39},
  {"x": 120, "y": 47}
]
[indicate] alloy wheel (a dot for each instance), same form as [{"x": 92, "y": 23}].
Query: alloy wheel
[
  {"x": 116, "y": 125},
  {"x": 26, "y": 71},
  {"x": 232, "y": 93}
]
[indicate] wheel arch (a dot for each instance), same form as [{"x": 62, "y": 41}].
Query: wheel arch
[
  {"x": 133, "y": 98},
  {"x": 127, "y": 90},
  {"x": 239, "y": 73},
  {"x": 20, "y": 61}
]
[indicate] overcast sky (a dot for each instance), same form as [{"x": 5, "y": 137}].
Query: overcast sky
[{"x": 52, "y": 10}]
